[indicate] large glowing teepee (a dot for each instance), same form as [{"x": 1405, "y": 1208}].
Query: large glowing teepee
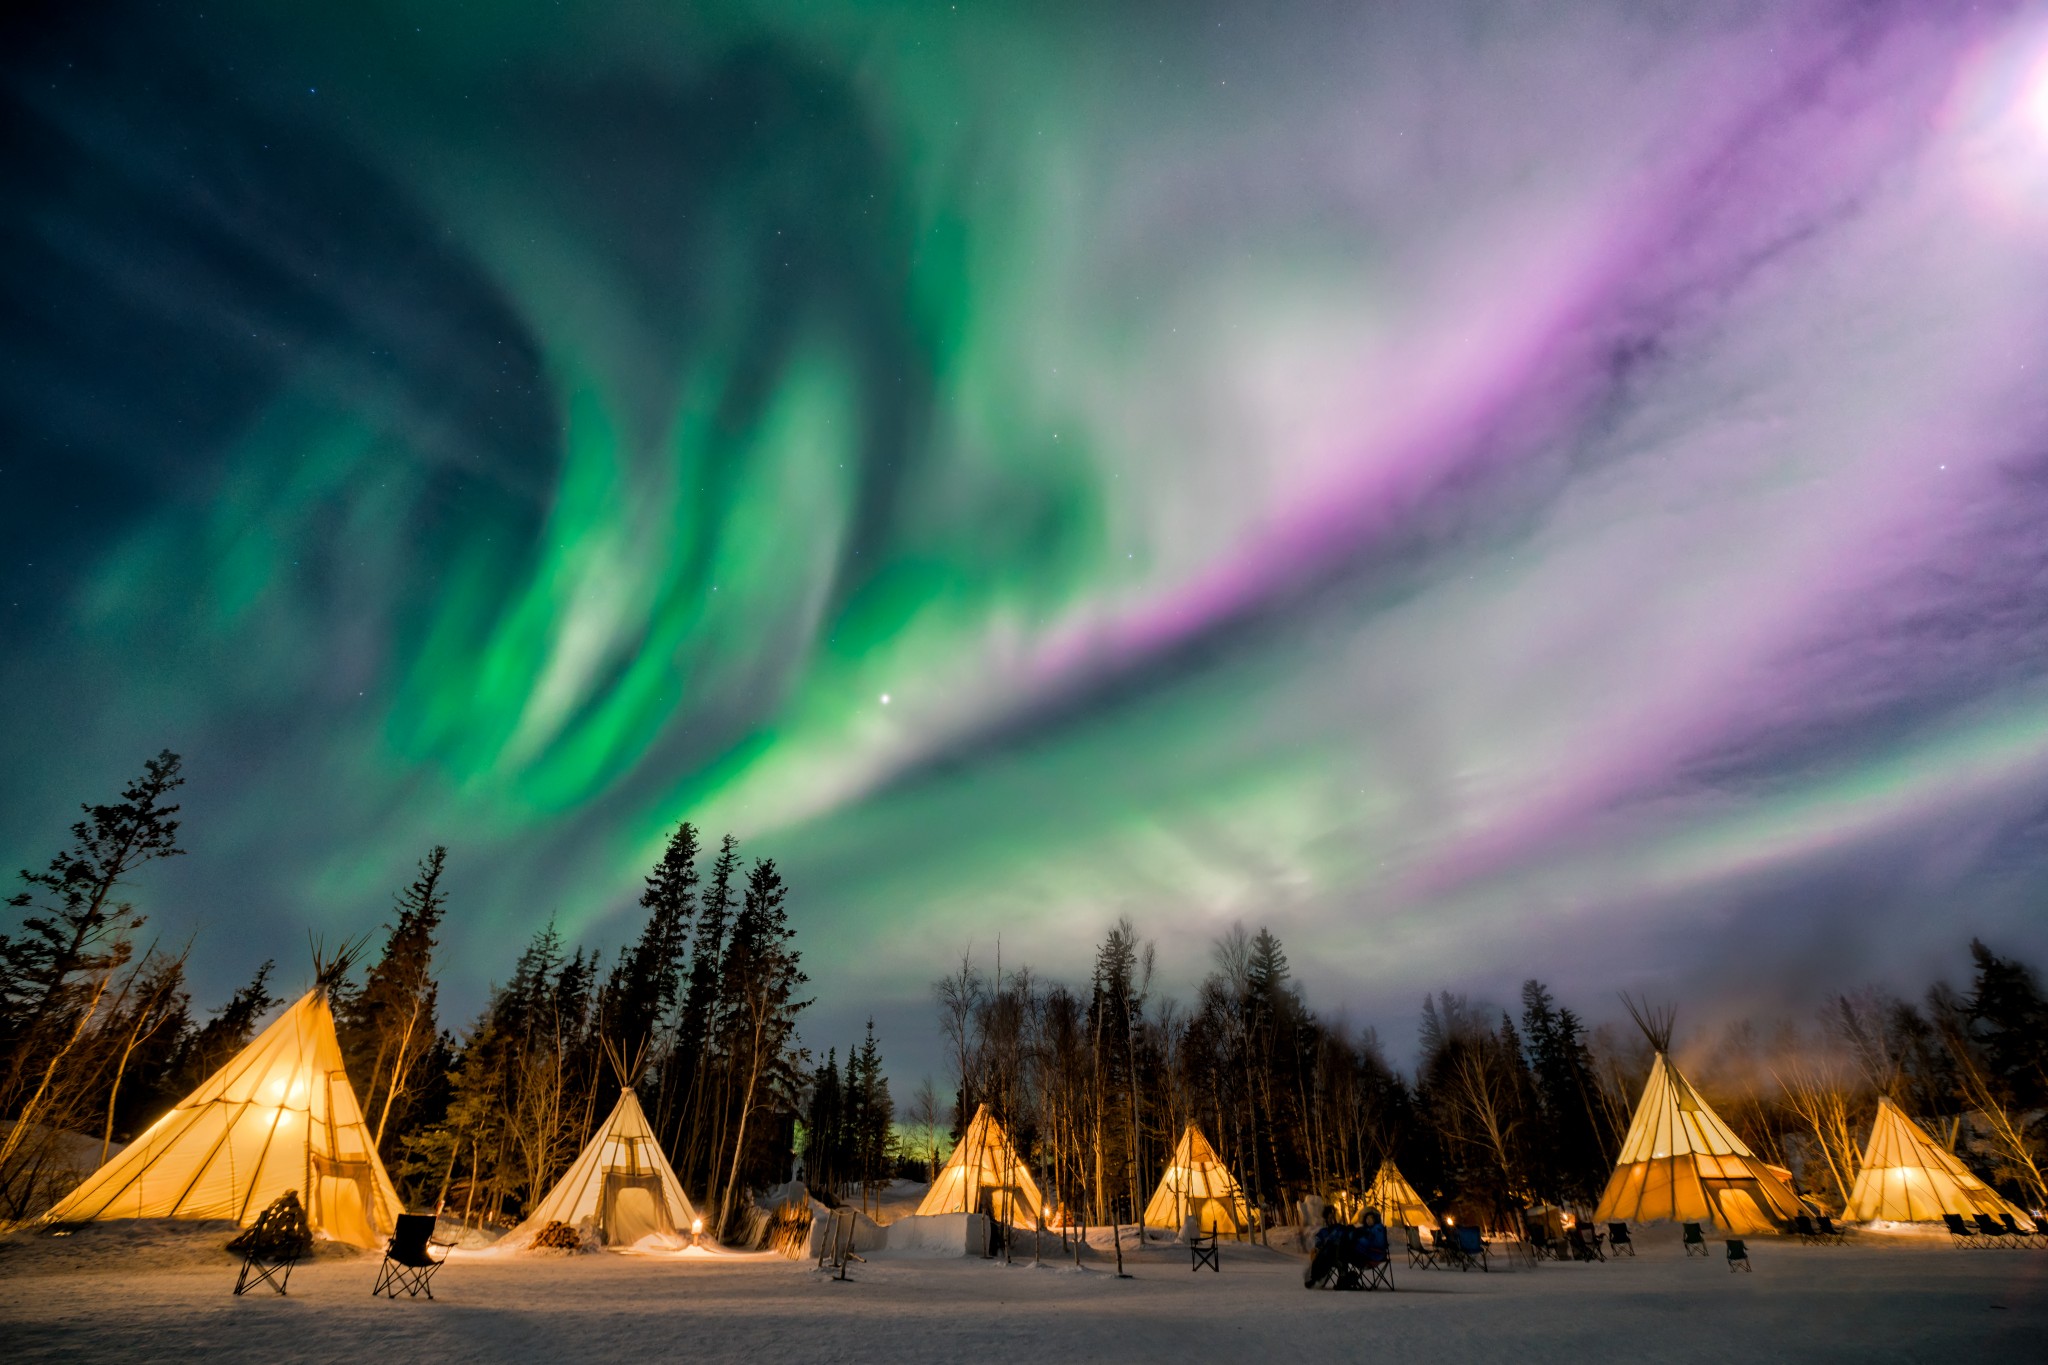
[
  {"x": 1197, "y": 1185},
  {"x": 985, "y": 1167},
  {"x": 279, "y": 1116},
  {"x": 1682, "y": 1163},
  {"x": 621, "y": 1182},
  {"x": 1397, "y": 1200},
  {"x": 1908, "y": 1177}
]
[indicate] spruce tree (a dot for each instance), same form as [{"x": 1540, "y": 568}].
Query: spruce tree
[
  {"x": 387, "y": 1028},
  {"x": 79, "y": 933},
  {"x": 872, "y": 1115},
  {"x": 755, "y": 1022},
  {"x": 229, "y": 1029},
  {"x": 692, "y": 1059},
  {"x": 58, "y": 972},
  {"x": 644, "y": 990},
  {"x": 1573, "y": 1151},
  {"x": 824, "y": 1124}
]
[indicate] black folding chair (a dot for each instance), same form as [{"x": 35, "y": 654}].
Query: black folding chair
[
  {"x": 1738, "y": 1254},
  {"x": 1990, "y": 1231},
  {"x": 409, "y": 1260},
  {"x": 1583, "y": 1247},
  {"x": 273, "y": 1244},
  {"x": 1420, "y": 1253},
  {"x": 1830, "y": 1233},
  {"x": 1963, "y": 1233},
  {"x": 1204, "y": 1252},
  {"x": 1617, "y": 1239},
  {"x": 1343, "y": 1261},
  {"x": 2020, "y": 1236},
  {"x": 1695, "y": 1240},
  {"x": 1803, "y": 1228},
  {"x": 1470, "y": 1248}
]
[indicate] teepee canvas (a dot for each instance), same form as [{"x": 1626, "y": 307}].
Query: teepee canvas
[
  {"x": 279, "y": 1116},
  {"x": 1908, "y": 1177},
  {"x": 1397, "y": 1200},
  {"x": 984, "y": 1172},
  {"x": 1197, "y": 1185},
  {"x": 621, "y": 1183},
  {"x": 1680, "y": 1162}
]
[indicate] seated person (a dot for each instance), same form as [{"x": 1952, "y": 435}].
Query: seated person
[{"x": 1372, "y": 1237}]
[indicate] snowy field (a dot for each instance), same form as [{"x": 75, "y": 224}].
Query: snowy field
[{"x": 152, "y": 1292}]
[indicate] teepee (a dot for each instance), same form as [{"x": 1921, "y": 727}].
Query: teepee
[
  {"x": 621, "y": 1183},
  {"x": 984, "y": 1170},
  {"x": 279, "y": 1116},
  {"x": 1682, "y": 1163},
  {"x": 1908, "y": 1177},
  {"x": 1197, "y": 1185},
  {"x": 1397, "y": 1200}
]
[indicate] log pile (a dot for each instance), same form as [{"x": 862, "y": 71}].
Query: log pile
[{"x": 557, "y": 1236}]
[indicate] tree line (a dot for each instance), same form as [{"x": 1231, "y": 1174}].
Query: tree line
[
  {"x": 1503, "y": 1109},
  {"x": 98, "y": 1035}
]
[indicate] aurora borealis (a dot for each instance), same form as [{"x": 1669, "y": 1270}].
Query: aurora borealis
[{"x": 1485, "y": 489}]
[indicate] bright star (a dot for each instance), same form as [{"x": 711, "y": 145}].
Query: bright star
[{"x": 885, "y": 699}]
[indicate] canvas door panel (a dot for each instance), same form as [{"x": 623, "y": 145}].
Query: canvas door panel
[
  {"x": 1737, "y": 1211},
  {"x": 632, "y": 1207}
]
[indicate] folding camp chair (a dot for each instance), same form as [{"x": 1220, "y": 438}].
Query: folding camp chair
[
  {"x": 1420, "y": 1253},
  {"x": 1963, "y": 1233},
  {"x": 1738, "y": 1254},
  {"x": 2020, "y": 1236},
  {"x": 1617, "y": 1239},
  {"x": 1988, "y": 1228},
  {"x": 409, "y": 1260},
  {"x": 1803, "y": 1228},
  {"x": 1695, "y": 1240},
  {"x": 1470, "y": 1248},
  {"x": 1203, "y": 1252},
  {"x": 1829, "y": 1232},
  {"x": 1342, "y": 1260},
  {"x": 1537, "y": 1234},
  {"x": 273, "y": 1244},
  {"x": 1582, "y": 1247}
]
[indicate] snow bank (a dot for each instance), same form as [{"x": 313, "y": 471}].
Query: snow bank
[
  {"x": 936, "y": 1234},
  {"x": 54, "y": 1161}
]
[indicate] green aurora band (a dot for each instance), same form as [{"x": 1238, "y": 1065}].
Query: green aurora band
[{"x": 1022, "y": 466}]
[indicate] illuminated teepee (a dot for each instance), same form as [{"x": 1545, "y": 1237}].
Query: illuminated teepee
[
  {"x": 279, "y": 1116},
  {"x": 985, "y": 1174},
  {"x": 1681, "y": 1163},
  {"x": 1908, "y": 1177},
  {"x": 1397, "y": 1200},
  {"x": 621, "y": 1183},
  {"x": 1198, "y": 1185}
]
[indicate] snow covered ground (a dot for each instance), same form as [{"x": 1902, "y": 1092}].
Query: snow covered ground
[{"x": 153, "y": 1292}]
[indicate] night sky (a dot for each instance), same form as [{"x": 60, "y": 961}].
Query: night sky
[{"x": 1485, "y": 489}]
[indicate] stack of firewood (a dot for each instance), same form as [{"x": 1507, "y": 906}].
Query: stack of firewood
[{"x": 557, "y": 1236}]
